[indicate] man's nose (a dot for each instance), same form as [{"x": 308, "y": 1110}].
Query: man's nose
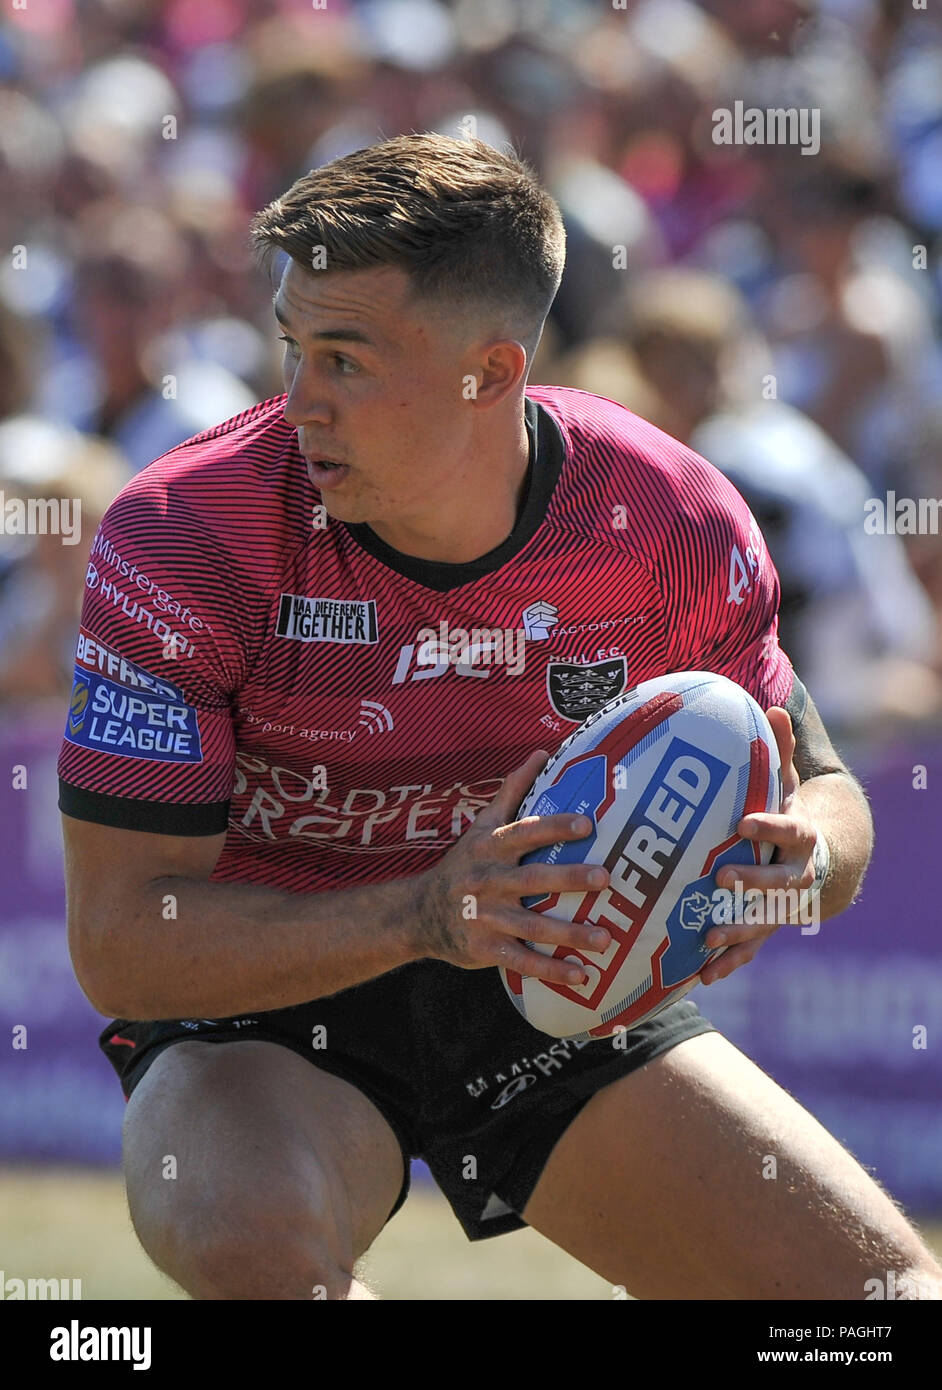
[{"x": 305, "y": 405}]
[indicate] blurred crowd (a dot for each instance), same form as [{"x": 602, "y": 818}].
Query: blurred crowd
[{"x": 779, "y": 311}]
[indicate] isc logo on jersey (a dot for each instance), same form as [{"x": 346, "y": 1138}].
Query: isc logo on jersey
[{"x": 136, "y": 715}]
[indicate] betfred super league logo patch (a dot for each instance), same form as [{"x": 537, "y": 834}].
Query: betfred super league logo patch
[
  {"x": 118, "y": 707},
  {"x": 576, "y": 691}
]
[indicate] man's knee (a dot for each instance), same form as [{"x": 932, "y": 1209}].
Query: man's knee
[
  {"x": 288, "y": 1256},
  {"x": 266, "y": 1196},
  {"x": 246, "y": 1248},
  {"x": 231, "y": 1224}
]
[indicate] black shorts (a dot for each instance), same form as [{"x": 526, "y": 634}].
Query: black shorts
[{"x": 462, "y": 1079}]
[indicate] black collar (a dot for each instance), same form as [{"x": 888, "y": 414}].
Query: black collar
[{"x": 547, "y": 453}]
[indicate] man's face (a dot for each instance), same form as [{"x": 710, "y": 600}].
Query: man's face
[{"x": 374, "y": 384}]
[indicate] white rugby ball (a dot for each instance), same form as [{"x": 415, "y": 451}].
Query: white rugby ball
[{"x": 665, "y": 771}]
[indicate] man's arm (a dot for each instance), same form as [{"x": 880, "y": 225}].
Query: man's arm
[
  {"x": 819, "y": 794},
  {"x": 151, "y": 936},
  {"x": 834, "y": 801}
]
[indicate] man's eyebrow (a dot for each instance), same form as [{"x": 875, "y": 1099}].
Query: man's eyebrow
[{"x": 348, "y": 335}]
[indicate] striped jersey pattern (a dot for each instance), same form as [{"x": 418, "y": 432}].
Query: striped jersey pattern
[{"x": 247, "y": 665}]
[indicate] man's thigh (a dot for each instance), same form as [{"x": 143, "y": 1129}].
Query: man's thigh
[
  {"x": 244, "y": 1157},
  {"x": 698, "y": 1177}
]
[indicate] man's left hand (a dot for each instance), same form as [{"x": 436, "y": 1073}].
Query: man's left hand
[{"x": 792, "y": 866}]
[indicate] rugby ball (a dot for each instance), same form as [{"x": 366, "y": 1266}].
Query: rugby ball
[{"x": 665, "y": 771}]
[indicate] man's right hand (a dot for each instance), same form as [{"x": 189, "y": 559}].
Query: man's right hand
[{"x": 469, "y": 911}]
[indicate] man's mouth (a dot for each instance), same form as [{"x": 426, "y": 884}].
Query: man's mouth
[{"x": 325, "y": 471}]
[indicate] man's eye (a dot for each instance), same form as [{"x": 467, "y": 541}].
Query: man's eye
[{"x": 344, "y": 364}]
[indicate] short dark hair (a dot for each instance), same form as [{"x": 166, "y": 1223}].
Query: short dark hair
[{"x": 471, "y": 225}]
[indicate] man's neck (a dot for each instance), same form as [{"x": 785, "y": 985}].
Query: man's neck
[{"x": 473, "y": 523}]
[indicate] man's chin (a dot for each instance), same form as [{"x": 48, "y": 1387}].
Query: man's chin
[{"x": 341, "y": 508}]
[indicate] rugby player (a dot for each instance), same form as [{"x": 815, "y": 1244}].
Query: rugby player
[{"x": 280, "y": 798}]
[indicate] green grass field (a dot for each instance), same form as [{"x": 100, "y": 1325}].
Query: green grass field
[{"x": 73, "y": 1224}]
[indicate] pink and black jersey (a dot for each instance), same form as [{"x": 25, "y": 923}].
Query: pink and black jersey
[{"x": 247, "y": 664}]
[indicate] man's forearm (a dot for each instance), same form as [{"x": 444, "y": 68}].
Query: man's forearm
[
  {"x": 199, "y": 949},
  {"x": 837, "y": 805}
]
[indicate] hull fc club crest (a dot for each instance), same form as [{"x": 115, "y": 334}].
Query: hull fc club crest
[{"x": 575, "y": 692}]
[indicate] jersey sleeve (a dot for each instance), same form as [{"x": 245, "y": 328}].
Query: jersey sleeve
[
  {"x": 721, "y": 590},
  {"x": 149, "y": 742}
]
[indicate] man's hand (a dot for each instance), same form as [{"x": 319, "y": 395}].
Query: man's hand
[
  {"x": 468, "y": 909},
  {"x": 793, "y": 834}
]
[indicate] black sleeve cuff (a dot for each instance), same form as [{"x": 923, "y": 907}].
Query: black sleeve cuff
[
  {"x": 158, "y": 817},
  {"x": 797, "y": 703}
]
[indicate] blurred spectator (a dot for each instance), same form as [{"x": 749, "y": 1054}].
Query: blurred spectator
[
  {"x": 853, "y": 333},
  {"x": 854, "y": 618},
  {"x": 921, "y": 476},
  {"x": 296, "y": 95},
  {"x": 41, "y": 598},
  {"x": 17, "y": 337},
  {"x": 605, "y": 367},
  {"x": 128, "y": 292}
]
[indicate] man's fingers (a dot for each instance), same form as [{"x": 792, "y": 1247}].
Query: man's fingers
[
  {"x": 781, "y": 723},
  {"x": 514, "y": 955},
  {"x": 780, "y": 874},
  {"x": 738, "y": 934},
  {"x": 730, "y": 960},
  {"x": 552, "y": 931},
  {"x": 790, "y": 833},
  {"x": 535, "y": 832},
  {"x": 528, "y": 880}
]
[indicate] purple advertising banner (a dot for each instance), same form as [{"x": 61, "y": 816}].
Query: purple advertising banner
[
  {"x": 59, "y": 1098},
  {"x": 849, "y": 1020}
]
